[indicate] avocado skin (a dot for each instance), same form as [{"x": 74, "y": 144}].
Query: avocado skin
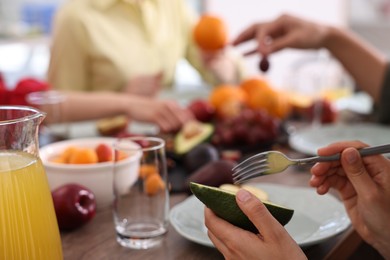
[
  {"x": 214, "y": 173},
  {"x": 199, "y": 156},
  {"x": 224, "y": 205}
]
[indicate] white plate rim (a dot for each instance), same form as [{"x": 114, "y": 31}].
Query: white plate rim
[
  {"x": 308, "y": 140},
  {"x": 203, "y": 239}
]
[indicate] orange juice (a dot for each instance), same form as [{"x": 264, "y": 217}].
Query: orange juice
[{"x": 28, "y": 225}]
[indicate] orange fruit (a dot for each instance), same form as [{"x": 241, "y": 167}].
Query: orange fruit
[
  {"x": 223, "y": 93},
  {"x": 210, "y": 33},
  {"x": 120, "y": 155},
  {"x": 83, "y": 156},
  {"x": 67, "y": 153},
  {"x": 225, "y": 97},
  {"x": 283, "y": 107},
  {"x": 153, "y": 184},
  {"x": 147, "y": 170},
  {"x": 253, "y": 84},
  {"x": 265, "y": 98},
  {"x": 230, "y": 108},
  {"x": 262, "y": 95}
]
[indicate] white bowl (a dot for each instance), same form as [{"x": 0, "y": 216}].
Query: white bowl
[{"x": 98, "y": 177}]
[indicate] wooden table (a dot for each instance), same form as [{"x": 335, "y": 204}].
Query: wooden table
[{"x": 97, "y": 239}]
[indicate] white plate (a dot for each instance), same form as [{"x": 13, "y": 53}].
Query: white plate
[
  {"x": 308, "y": 140},
  {"x": 315, "y": 218}
]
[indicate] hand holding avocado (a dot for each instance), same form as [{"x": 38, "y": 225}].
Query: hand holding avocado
[
  {"x": 223, "y": 203},
  {"x": 247, "y": 245}
]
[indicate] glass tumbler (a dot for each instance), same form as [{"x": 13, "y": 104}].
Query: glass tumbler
[
  {"x": 141, "y": 207},
  {"x": 54, "y": 127}
]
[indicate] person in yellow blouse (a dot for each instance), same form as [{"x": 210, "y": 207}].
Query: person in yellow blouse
[{"x": 102, "y": 49}]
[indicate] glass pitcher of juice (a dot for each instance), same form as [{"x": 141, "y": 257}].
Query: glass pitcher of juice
[{"x": 28, "y": 224}]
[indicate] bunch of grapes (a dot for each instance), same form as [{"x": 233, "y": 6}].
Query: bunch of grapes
[{"x": 250, "y": 127}]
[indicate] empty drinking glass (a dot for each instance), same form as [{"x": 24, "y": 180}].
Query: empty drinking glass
[
  {"x": 54, "y": 127},
  {"x": 141, "y": 207}
]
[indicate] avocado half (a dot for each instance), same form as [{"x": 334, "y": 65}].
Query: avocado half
[
  {"x": 223, "y": 204},
  {"x": 183, "y": 144}
]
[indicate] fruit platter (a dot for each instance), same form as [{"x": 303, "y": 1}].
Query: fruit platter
[{"x": 230, "y": 124}]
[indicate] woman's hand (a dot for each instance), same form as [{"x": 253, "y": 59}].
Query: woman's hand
[
  {"x": 273, "y": 242},
  {"x": 167, "y": 114},
  {"x": 364, "y": 188},
  {"x": 284, "y": 32}
]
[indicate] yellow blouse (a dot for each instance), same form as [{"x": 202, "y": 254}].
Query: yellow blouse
[{"x": 102, "y": 44}]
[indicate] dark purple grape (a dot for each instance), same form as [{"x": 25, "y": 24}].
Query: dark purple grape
[{"x": 264, "y": 64}]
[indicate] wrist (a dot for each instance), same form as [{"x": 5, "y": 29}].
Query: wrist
[
  {"x": 332, "y": 37},
  {"x": 126, "y": 104},
  {"x": 133, "y": 105}
]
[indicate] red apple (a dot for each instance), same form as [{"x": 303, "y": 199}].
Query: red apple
[
  {"x": 74, "y": 204},
  {"x": 202, "y": 110}
]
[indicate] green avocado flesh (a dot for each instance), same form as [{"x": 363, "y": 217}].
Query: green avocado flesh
[
  {"x": 223, "y": 204},
  {"x": 183, "y": 145}
]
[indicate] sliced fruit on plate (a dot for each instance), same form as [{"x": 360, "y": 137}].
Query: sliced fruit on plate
[
  {"x": 223, "y": 204},
  {"x": 112, "y": 126},
  {"x": 192, "y": 134}
]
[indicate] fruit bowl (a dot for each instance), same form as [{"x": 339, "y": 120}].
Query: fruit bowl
[{"x": 98, "y": 177}]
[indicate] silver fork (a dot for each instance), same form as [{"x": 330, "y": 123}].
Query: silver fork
[{"x": 271, "y": 162}]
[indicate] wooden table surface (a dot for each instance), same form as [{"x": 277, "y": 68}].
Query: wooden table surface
[{"x": 97, "y": 239}]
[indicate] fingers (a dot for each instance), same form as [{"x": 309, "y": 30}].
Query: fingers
[
  {"x": 171, "y": 117},
  {"x": 356, "y": 172},
  {"x": 329, "y": 168},
  {"x": 217, "y": 242},
  {"x": 273, "y": 36},
  {"x": 254, "y": 32},
  {"x": 332, "y": 181},
  {"x": 282, "y": 42},
  {"x": 270, "y": 36},
  {"x": 215, "y": 225},
  {"x": 226, "y": 237},
  {"x": 328, "y": 174},
  {"x": 258, "y": 214},
  {"x": 339, "y": 147},
  {"x": 246, "y": 35}
]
